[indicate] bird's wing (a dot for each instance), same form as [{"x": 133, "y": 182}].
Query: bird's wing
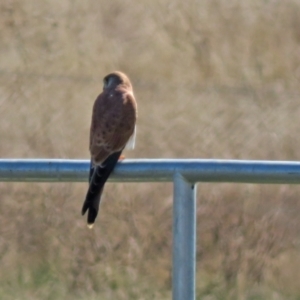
[{"x": 113, "y": 123}]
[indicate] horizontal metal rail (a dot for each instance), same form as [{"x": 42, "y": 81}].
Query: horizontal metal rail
[
  {"x": 154, "y": 170},
  {"x": 184, "y": 173}
]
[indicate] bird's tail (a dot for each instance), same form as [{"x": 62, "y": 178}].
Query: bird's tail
[{"x": 97, "y": 178}]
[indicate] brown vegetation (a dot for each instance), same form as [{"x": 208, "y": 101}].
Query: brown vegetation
[{"x": 213, "y": 79}]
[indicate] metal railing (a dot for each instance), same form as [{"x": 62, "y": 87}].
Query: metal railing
[{"x": 184, "y": 173}]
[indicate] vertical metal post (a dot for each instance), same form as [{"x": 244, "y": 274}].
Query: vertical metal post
[{"x": 184, "y": 239}]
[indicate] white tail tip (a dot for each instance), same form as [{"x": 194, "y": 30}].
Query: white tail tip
[{"x": 90, "y": 226}]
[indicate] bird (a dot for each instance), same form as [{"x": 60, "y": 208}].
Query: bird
[{"x": 113, "y": 127}]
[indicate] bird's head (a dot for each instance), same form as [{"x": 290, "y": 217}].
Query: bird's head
[{"x": 116, "y": 79}]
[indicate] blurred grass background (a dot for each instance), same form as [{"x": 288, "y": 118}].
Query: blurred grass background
[{"x": 213, "y": 79}]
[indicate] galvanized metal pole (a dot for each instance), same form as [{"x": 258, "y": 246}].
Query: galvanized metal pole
[
  {"x": 154, "y": 170},
  {"x": 184, "y": 239}
]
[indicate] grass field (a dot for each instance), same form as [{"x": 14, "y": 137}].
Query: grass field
[{"x": 213, "y": 79}]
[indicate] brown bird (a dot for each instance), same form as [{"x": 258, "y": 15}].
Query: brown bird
[{"x": 113, "y": 128}]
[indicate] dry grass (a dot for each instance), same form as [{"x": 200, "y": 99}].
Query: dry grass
[{"x": 213, "y": 78}]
